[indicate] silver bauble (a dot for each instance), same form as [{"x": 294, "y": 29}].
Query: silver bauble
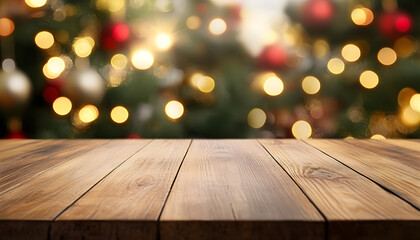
[
  {"x": 15, "y": 89},
  {"x": 84, "y": 86}
]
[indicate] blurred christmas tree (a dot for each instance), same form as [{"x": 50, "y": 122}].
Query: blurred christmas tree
[{"x": 232, "y": 69}]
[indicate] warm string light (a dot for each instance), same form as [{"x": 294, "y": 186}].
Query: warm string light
[
  {"x": 273, "y": 85},
  {"x": 369, "y": 79},
  {"x": 119, "y": 114},
  {"x": 387, "y": 56},
  {"x": 163, "y": 41},
  {"x": 44, "y": 39},
  {"x": 301, "y": 129},
  {"x": 351, "y": 52},
  {"x": 362, "y": 16},
  {"x": 83, "y": 46},
  {"x": 256, "y": 118},
  {"x": 311, "y": 85},
  {"x": 62, "y": 106},
  {"x": 142, "y": 59},
  {"x": 119, "y": 61},
  {"x": 35, "y": 3},
  {"x": 88, "y": 113},
  {"x": 335, "y": 66},
  {"x": 54, "y": 67},
  {"x": 174, "y": 109},
  {"x": 193, "y": 22},
  {"x": 217, "y": 26},
  {"x": 6, "y": 27}
]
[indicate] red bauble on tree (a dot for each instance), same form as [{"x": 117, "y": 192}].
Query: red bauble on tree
[
  {"x": 273, "y": 57},
  {"x": 317, "y": 13},
  {"x": 115, "y": 36},
  {"x": 394, "y": 24}
]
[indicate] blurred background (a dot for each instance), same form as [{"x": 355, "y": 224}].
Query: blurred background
[{"x": 209, "y": 69}]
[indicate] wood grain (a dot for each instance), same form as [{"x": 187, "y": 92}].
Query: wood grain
[
  {"x": 232, "y": 189},
  {"x": 392, "y": 174},
  {"x": 134, "y": 194},
  {"x": 6, "y": 145},
  {"x": 342, "y": 195}
]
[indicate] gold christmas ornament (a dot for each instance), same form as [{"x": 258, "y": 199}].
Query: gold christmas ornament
[{"x": 15, "y": 89}]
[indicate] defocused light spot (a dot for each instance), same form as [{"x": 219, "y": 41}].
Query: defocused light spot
[
  {"x": 54, "y": 67},
  {"x": 351, "y": 52},
  {"x": 335, "y": 66},
  {"x": 217, "y": 26},
  {"x": 121, "y": 32},
  {"x": 404, "y": 96},
  {"x": 377, "y": 136},
  {"x": 119, "y": 114},
  {"x": 6, "y": 27},
  {"x": 415, "y": 102},
  {"x": 62, "y": 106},
  {"x": 35, "y": 3},
  {"x": 8, "y": 65},
  {"x": 311, "y": 85},
  {"x": 174, "y": 109},
  {"x": 404, "y": 46},
  {"x": 193, "y": 22},
  {"x": 163, "y": 41},
  {"x": 119, "y": 61},
  {"x": 301, "y": 129},
  {"x": 362, "y": 16},
  {"x": 273, "y": 86},
  {"x": 88, "y": 113},
  {"x": 321, "y": 48},
  {"x": 195, "y": 78},
  {"x": 44, "y": 39},
  {"x": 83, "y": 46},
  {"x": 410, "y": 117},
  {"x": 256, "y": 118},
  {"x": 387, "y": 56},
  {"x": 115, "y": 5},
  {"x": 205, "y": 84},
  {"x": 142, "y": 59},
  {"x": 369, "y": 79}
]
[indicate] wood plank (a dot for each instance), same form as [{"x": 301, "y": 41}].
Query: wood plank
[
  {"x": 23, "y": 149},
  {"x": 393, "y": 175},
  {"x": 20, "y": 169},
  {"x": 48, "y": 194},
  {"x": 127, "y": 203},
  {"x": 6, "y": 145},
  {"x": 233, "y": 189},
  {"x": 344, "y": 197}
]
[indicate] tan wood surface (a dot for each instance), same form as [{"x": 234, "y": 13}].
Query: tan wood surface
[
  {"x": 134, "y": 194},
  {"x": 341, "y": 194},
  {"x": 392, "y": 174},
  {"x": 232, "y": 189},
  {"x": 7, "y": 145}
]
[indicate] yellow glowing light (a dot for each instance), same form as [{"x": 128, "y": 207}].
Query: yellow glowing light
[
  {"x": 387, "y": 56},
  {"x": 335, "y": 66},
  {"x": 320, "y": 48},
  {"x": 311, "y": 85},
  {"x": 404, "y": 96},
  {"x": 404, "y": 46},
  {"x": 205, "y": 84},
  {"x": 351, "y": 52},
  {"x": 35, "y": 3},
  {"x": 119, "y": 114},
  {"x": 415, "y": 102},
  {"x": 62, "y": 106},
  {"x": 142, "y": 59},
  {"x": 217, "y": 26},
  {"x": 163, "y": 41},
  {"x": 301, "y": 129},
  {"x": 369, "y": 79},
  {"x": 54, "y": 67},
  {"x": 410, "y": 117},
  {"x": 256, "y": 118},
  {"x": 115, "y": 5},
  {"x": 119, "y": 61},
  {"x": 273, "y": 86},
  {"x": 44, "y": 39},
  {"x": 195, "y": 78},
  {"x": 377, "y": 136},
  {"x": 174, "y": 109},
  {"x": 193, "y": 22},
  {"x": 83, "y": 46},
  {"x": 6, "y": 27},
  {"x": 362, "y": 16},
  {"x": 88, "y": 113}
]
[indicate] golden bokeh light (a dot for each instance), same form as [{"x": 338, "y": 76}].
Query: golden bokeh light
[
  {"x": 256, "y": 118},
  {"x": 83, "y": 46},
  {"x": 217, "y": 26},
  {"x": 6, "y": 27},
  {"x": 35, "y": 3},
  {"x": 142, "y": 59},
  {"x": 301, "y": 129},
  {"x": 119, "y": 114},
  {"x": 387, "y": 56},
  {"x": 193, "y": 22},
  {"x": 377, "y": 136},
  {"x": 409, "y": 117},
  {"x": 174, "y": 109},
  {"x": 195, "y": 78},
  {"x": 273, "y": 86},
  {"x": 350, "y": 52},
  {"x": 62, "y": 106},
  {"x": 404, "y": 96},
  {"x": 369, "y": 79},
  {"x": 163, "y": 41},
  {"x": 119, "y": 61},
  {"x": 335, "y": 66},
  {"x": 205, "y": 84},
  {"x": 362, "y": 16},
  {"x": 415, "y": 102},
  {"x": 321, "y": 48},
  {"x": 404, "y": 46},
  {"x": 88, "y": 113},
  {"x": 44, "y": 39},
  {"x": 54, "y": 67},
  {"x": 311, "y": 85}
]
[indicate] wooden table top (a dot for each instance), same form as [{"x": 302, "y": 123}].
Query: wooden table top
[{"x": 209, "y": 189}]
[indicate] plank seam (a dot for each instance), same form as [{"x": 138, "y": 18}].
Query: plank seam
[
  {"x": 170, "y": 190},
  {"x": 301, "y": 189},
  {"x": 372, "y": 180}
]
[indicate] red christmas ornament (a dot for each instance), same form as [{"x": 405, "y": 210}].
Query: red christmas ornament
[
  {"x": 394, "y": 24},
  {"x": 133, "y": 136},
  {"x": 50, "y": 93},
  {"x": 317, "y": 13},
  {"x": 272, "y": 57},
  {"x": 115, "y": 36},
  {"x": 15, "y": 135}
]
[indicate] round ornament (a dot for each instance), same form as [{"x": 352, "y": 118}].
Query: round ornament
[
  {"x": 84, "y": 86},
  {"x": 15, "y": 89}
]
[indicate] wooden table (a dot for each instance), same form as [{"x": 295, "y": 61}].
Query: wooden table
[{"x": 209, "y": 189}]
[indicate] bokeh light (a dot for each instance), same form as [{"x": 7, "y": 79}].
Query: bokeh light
[
  {"x": 142, "y": 59},
  {"x": 54, "y": 67},
  {"x": 119, "y": 61},
  {"x": 119, "y": 114},
  {"x": 44, "y": 39},
  {"x": 351, "y": 52},
  {"x": 62, "y": 106},
  {"x": 301, "y": 129},
  {"x": 404, "y": 46},
  {"x": 335, "y": 66},
  {"x": 404, "y": 96},
  {"x": 320, "y": 48},
  {"x": 163, "y": 41},
  {"x": 6, "y": 27},
  {"x": 362, "y": 16},
  {"x": 311, "y": 85},
  {"x": 256, "y": 118},
  {"x": 8, "y": 65},
  {"x": 193, "y": 22},
  {"x": 217, "y": 26},
  {"x": 415, "y": 102},
  {"x": 174, "y": 109},
  {"x": 409, "y": 117},
  {"x": 273, "y": 86},
  {"x": 377, "y": 136},
  {"x": 369, "y": 79},
  {"x": 387, "y": 56},
  {"x": 83, "y": 46},
  {"x": 205, "y": 84},
  {"x": 35, "y": 3},
  {"x": 88, "y": 113}
]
